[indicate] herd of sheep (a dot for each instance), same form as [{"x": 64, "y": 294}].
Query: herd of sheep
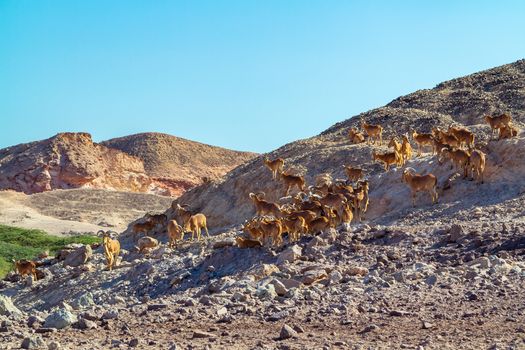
[{"x": 326, "y": 204}]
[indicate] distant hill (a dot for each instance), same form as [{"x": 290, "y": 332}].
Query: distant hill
[
  {"x": 174, "y": 160},
  {"x": 164, "y": 164}
]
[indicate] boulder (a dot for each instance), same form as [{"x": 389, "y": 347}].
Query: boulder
[
  {"x": 266, "y": 292},
  {"x": 83, "y": 301},
  {"x": 79, "y": 256},
  {"x": 7, "y": 307},
  {"x": 290, "y": 255},
  {"x": 60, "y": 319},
  {"x": 279, "y": 287}
]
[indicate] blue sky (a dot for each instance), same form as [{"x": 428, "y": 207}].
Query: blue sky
[{"x": 248, "y": 75}]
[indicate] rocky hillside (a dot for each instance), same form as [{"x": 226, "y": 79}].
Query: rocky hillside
[
  {"x": 179, "y": 162},
  {"x": 162, "y": 165},
  {"x": 444, "y": 276},
  {"x": 464, "y": 100}
]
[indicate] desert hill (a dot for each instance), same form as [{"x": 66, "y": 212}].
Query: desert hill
[
  {"x": 73, "y": 160},
  {"x": 179, "y": 161},
  {"x": 463, "y": 100}
]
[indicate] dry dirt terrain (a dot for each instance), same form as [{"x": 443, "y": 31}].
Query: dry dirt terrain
[
  {"x": 438, "y": 276},
  {"x": 78, "y": 210}
]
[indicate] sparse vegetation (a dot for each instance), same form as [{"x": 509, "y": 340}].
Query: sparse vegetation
[{"x": 19, "y": 243}]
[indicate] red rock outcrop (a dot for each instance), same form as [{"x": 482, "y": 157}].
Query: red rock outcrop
[{"x": 70, "y": 160}]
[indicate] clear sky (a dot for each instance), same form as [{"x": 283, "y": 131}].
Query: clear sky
[{"x": 248, "y": 75}]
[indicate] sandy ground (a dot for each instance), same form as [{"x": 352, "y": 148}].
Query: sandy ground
[{"x": 76, "y": 211}]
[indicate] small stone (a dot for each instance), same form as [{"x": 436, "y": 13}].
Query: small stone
[
  {"x": 357, "y": 271},
  {"x": 471, "y": 296},
  {"x": 455, "y": 233},
  {"x": 202, "y": 334},
  {"x": 222, "y": 311},
  {"x": 398, "y": 313},
  {"x": 287, "y": 332},
  {"x": 279, "y": 287},
  {"x": 44, "y": 330},
  {"x": 134, "y": 343},
  {"x": 427, "y": 325},
  {"x": 33, "y": 343},
  {"x": 83, "y": 301},
  {"x": 298, "y": 329},
  {"x": 190, "y": 302},
  {"x": 335, "y": 277},
  {"x": 431, "y": 280},
  {"x": 54, "y": 345},
  {"x": 371, "y": 328},
  {"x": 34, "y": 320},
  {"x": 110, "y": 314},
  {"x": 278, "y": 316},
  {"x": 86, "y": 324},
  {"x": 153, "y": 307},
  {"x": 290, "y": 283}
]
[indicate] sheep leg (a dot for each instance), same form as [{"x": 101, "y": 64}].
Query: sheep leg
[
  {"x": 199, "y": 237},
  {"x": 413, "y": 199}
]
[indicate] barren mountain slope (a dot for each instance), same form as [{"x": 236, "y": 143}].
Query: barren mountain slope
[
  {"x": 176, "y": 160},
  {"x": 463, "y": 100}
]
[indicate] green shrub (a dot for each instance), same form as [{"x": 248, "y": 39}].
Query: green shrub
[{"x": 19, "y": 243}]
